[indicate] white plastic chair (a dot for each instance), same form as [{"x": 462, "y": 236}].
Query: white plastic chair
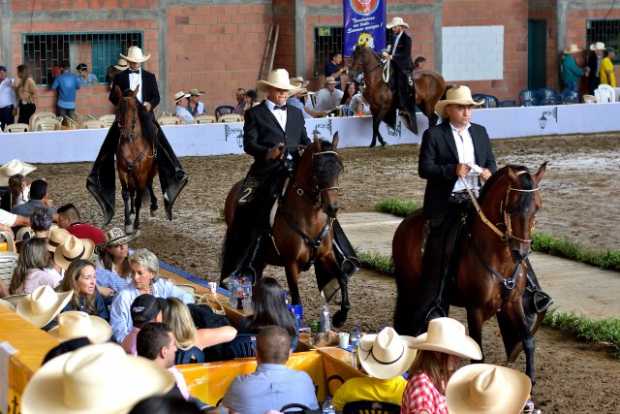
[
  {"x": 605, "y": 94},
  {"x": 17, "y": 128}
]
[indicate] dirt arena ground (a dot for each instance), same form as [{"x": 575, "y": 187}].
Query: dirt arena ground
[{"x": 581, "y": 203}]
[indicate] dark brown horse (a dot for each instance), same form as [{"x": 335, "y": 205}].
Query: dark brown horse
[
  {"x": 135, "y": 158},
  {"x": 429, "y": 88},
  {"x": 491, "y": 270},
  {"x": 302, "y": 231}
]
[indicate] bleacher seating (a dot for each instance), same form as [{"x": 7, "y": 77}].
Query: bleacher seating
[
  {"x": 17, "y": 128},
  {"x": 230, "y": 118}
]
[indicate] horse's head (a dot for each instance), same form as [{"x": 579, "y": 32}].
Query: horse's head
[
  {"x": 361, "y": 59},
  {"x": 127, "y": 112},
  {"x": 517, "y": 193}
]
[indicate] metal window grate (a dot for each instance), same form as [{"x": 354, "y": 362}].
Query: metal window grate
[
  {"x": 327, "y": 40},
  {"x": 606, "y": 31},
  {"x": 45, "y": 53}
]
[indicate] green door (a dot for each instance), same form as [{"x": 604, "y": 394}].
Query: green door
[{"x": 536, "y": 54}]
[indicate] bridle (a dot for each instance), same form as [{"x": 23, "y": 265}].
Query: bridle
[
  {"x": 129, "y": 134},
  {"x": 316, "y": 193}
]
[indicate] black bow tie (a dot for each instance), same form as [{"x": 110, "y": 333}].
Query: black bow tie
[
  {"x": 283, "y": 107},
  {"x": 137, "y": 72}
]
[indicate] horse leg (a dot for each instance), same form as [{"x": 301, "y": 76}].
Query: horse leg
[
  {"x": 375, "y": 131},
  {"x": 514, "y": 312},
  {"x": 292, "y": 272},
  {"x": 475, "y": 319},
  {"x": 139, "y": 197},
  {"x": 127, "y": 200},
  {"x": 379, "y": 136},
  {"x": 154, "y": 205},
  {"x": 330, "y": 266}
]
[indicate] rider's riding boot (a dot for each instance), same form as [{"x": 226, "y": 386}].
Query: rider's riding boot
[{"x": 246, "y": 265}]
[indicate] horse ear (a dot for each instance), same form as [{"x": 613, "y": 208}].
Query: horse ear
[
  {"x": 335, "y": 140},
  {"x": 541, "y": 172}
]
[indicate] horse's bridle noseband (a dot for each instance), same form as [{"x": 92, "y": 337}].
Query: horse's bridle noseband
[{"x": 315, "y": 194}]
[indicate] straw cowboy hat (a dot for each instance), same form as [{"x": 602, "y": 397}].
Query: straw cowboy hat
[
  {"x": 196, "y": 92},
  {"x": 573, "y": 48},
  {"x": 135, "y": 55},
  {"x": 76, "y": 324},
  {"x": 459, "y": 95},
  {"x": 487, "y": 389},
  {"x": 330, "y": 80},
  {"x": 95, "y": 379},
  {"x": 397, "y": 21},
  {"x": 181, "y": 95},
  {"x": 56, "y": 237},
  {"x": 121, "y": 64},
  {"x": 72, "y": 249},
  {"x": 279, "y": 79},
  {"x": 386, "y": 355},
  {"x": 42, "y": 305},
  {"x": 23, "y": 234},
  {"x": 448, "y": 335},
  {"x": 12, "y": 168},
  {"x": 117, "y": 236},
  {"x": 299, "y": 82},
  {"x": 597, "y": 46}
]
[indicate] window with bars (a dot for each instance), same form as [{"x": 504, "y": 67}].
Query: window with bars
[
  {"x": 606, "y": 31},
  {"x": 46, "y": 52}
]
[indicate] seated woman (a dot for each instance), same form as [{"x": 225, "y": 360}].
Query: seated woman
[
  {"x": 144, "y": 279},
  {"x": 113, "y": 271},
  {"x": 359, "y": 105},
  {"x": 440, "y": 351},
  {"x": 349, "y": 92},
  {"x": 32, "y": 268},
  {"x": 269, "y": 302},
  {"x": 191, "y": 341},
  {"x": 81, "y": 278}
]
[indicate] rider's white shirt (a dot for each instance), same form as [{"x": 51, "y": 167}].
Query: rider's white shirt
[
  {"x": 135, "y": 80},
  {"x": 278, "y": 113},
  {"x": 465, "y": 149}
]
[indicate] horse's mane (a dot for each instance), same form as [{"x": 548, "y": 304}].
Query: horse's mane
[
  {"x": 327, "y": 166},
  {"x": 123, "y": 107},
  {"x": 526, "y": 181}
]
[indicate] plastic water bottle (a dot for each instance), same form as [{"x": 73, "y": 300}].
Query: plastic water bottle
[
  {"x": 326, "y": 320},
  {"x": 328, "y": 407},
  {"x": 356, "y": 335}
]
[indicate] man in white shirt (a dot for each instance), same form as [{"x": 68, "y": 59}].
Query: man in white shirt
[
  {"x": 8, "y": 100},
  {"x": 194, "y": 104},
  {"x": 329, "y": 97},
  {"x": 8, "y": 219},
  {"x": 180, "y": 99}
]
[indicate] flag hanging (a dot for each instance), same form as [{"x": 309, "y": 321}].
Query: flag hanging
[{"x": 364, "y": 23}]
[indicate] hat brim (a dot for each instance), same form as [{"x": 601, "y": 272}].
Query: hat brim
[
  {"x": 391, "y": 25},
  {"x": 89, "y": 249},
  {"x": 381, "y": 370},
  {"x": 441, "y": 105},
  {"x": 25, "y": 170},
  {"x": 102, "y": 331},
  {"x": 40, "y": 321},
  {"x": 262, "y": 84},
  {"x": 135, "y": 60},
  {"x": 45, "y": 392},
  {"x": 465, "y": 347},
  {"x": 182, "y": 97},
  {"x": 126, "y": 239},
  {"x": 14, "y": 299},
  {"x": 512, "y": 400}
]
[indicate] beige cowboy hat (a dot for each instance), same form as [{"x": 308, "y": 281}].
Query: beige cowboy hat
[
  {"x": 573, "y": 48},
  {"x": 13, "y": 300},
  {"x": 448, "y": 335},
  {"x": 42, "y": 305},
  {"x": 397, "y": 21},
  {"x": 279, "y": 79},
  {"x": 121, "y": 64},
  {"x": 12, "y": 168},
  {"x": 597, "y": 46},
  {"x": 196, "y": 92},
  {"x": 299, "y": 82},
  {"x": 24, "y": 233},
  {"x": 386, "y": 355},
  {"x": 76, "y": 324},
  {"x": 71, "y": 249},
  {"x": 330, "y": 80},
  {"x": 56, "y": 237},
  {"x": 117, "y": 236},
  {"x": 95, "y": 379},
  {"x": 487, "y": 389},
  {"x": 135, "y": 55},
  {"x": 181, "y": 95},
  {"x": 459, "y": 95}
]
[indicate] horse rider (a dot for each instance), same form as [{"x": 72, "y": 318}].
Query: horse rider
[
  {"x": 453, "y": 156},
  {"x": 403, "y": 87},
  {"x": 274, "y": 133},
  {"x": 101, "y": 182}
]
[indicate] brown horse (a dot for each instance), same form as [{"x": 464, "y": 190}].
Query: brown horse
[
  {"x": 135, "y": 158},
  {"x": 490, "y": 273},
  {"x": 429, "y": 88},
  {"x": 302, "y": 232}
]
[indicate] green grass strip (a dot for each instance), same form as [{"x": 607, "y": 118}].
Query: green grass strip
[
  {"x": 377, "y": 262},
  {"x": 397, "y": 207}
]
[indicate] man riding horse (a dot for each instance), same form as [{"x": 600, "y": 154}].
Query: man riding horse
[
  {"x": 101, "y": 182},
  {"x": 274, "y": 133}
]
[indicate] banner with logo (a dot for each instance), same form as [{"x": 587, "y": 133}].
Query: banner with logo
[{"x": 364, "y": 23}]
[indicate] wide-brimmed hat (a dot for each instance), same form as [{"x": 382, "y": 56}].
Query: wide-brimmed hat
[
  {"x": 95, "y": 379},
  {"x": 459, "y": 95},
  {"x": 56, "y": 237},
  {"x": 24, "y": 233},
  {"x": 181, "y": 95},
  {"x": 448, "y": 335},
  {"x": 76, "y": 324},
  {"x": 117, "y": 236},
  {"x": 573, "y": 48},
  {"x": 299, "y": 82},
  {"x": 597, "y": 46},
  {"x": 196, "y": 92},
  {"x": 279, "y": 79},
  {"x": 121, "y": 64},
  {"x": 12, "y": 168},
  {"x": 72, "y": 249},
  {"x": 487, "y": 389},
  {"x": 397, "y": 21},
  {"x": 135, "y": 55},
  {"x": 42, "y": 305},
  {"x": 330, "y": 80},
  {"x": 386, "y": 355}
]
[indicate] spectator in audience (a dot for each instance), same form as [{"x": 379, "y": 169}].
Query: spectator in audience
[
  {"x": 181, "y": 102},
  {"x": 593, "y": 71},
  {"x": 22, "y": 235},
  {"x": 334, "y": 68},
  {"x": 32, "y": 269},
  {"x": 418, "y": 63},
  {"x": 297, "y": 99},
  {"x": 26, "y": 91},
  {"x": 38, "y": 198},
  {"x": 350, "y": 91},
  {"x": 570, "y": 71},
  {"x": 74, "y": 324},
  {"x": 251, "y": 99},
  {"x": 240, "y": 97},
  {"x": 66, "y": 346},
  {"x": 440, "y": 350},
  {"x": 194, "y": 104},
  {"x": 12, "y": 174},
  {"x": 72, "y": 249},
  {"x": 165, "y": 405},
  {"x": 113, "y": 270},
  {"x": 20, "y": 190},
  {"x": 176, "y": 315},
  {"x": 385, "y": 356},
  {"x": 359, "y": 105},
  {"x": 329, "y": 97},
  {"x": 156, "y": 342},
  {"x": 608, "y": 74},
  {"x": 66, "y": 86},
  {"x": 9, "y": 220},
  {"x": 42, "y": 221},
  {"x": 56, "y": 237},
  {"x": 144, "y": 309},
  {"x": 272, "y": 385},
  {"x": 85, "y": 77},
  {"x": 145, "y": 279},
  {"x": 8, "y": 100},
  {"x": 113, "y": 70},
  {"x": 70, "y": 220},
  {"x": 42, "y": 306},
  {"x": 82, "y": 279}
]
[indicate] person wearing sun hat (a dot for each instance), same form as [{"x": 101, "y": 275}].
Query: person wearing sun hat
[
  {"x": 194, "y": 104},
  {"x": 385, "y": 356},
  {"x": 14, "y": 167},
  {"x": 77, "y": 324},
  {"x": 440, "y": 351},
  {"x": 42, "y": 305},
  {"x": 72, "y": 249},
  {"x": 181, "y": 100},
  {"x": 595, "y": 57},
  {"x": 570, "y": 71},
  {"x": 113, "y": 270}
]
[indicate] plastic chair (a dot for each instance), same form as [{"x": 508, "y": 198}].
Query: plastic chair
[
  {"x": 490, "y": 101},
  {"x": 546, "y": 96},
  {"x": 224, "y": 110},
  {"x": 92, "y": 124},
  {"x": 526, "y": 98},
  {"x": 107, "y": 120},
  {"x": 570, "y": 97},
  {"x": 47, "y": 124},
  {"x": 370, "y": 407},
  {"x": 231, "y": 118},
  {"x": 168, "y": 120},
  {"x": 205, "y": 119},
  {"x": 17, "y": 128},
  {"x": 605, "y": 94}
]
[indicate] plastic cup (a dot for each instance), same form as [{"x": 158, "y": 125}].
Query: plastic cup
[
  {"x": 343, "y": 340},
  {"x": 213, "y": 287}
]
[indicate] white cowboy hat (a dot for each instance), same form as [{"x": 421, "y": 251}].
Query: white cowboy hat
[
  {"x": 56, "y": 237},
  {"x": 448, "y": 335},
  {"x": 386, "y": 355},
  {"x": 12, "y": 168},
  {"x": 299, "y": 82},
  {"x": 121, "y": 64},
  {"x": 487, "y": 389},
  {"x": 573, "y": 48},
  {"x": 117, "y": 236},
  {"x": 23, "y": 234},
  {"x": 597, "y": 46},
  {"x": 330, "y": 80},
  {"x": 278, "y": 78},
  {"x": 459, "y": 95},
  {"x": 72, "y": 249},
  {"x": 196, "y": 92},
  {"x": 397, "y": 21},
  {"x": 180, "y": 95},
  {"x": 95, "y": 379},
  {"x": 42, "y": 305},
  {"x": 135, "y": 55},
  {"x": 76, "y": 324}
]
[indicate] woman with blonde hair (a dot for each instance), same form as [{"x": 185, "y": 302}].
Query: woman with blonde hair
[
  {"x": 81, "y": 278},
  {"x": 190, "y": 340},
  {"x": 32, "y": 268}
]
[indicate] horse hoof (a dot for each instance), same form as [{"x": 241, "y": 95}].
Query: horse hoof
[
  {"x": 339, "y": 318},
  {"x": 153, "y": 210},
  {"x": 372, "y": 145}
]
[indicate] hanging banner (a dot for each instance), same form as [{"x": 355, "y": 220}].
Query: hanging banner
[{"x": 364, "y": 23}]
